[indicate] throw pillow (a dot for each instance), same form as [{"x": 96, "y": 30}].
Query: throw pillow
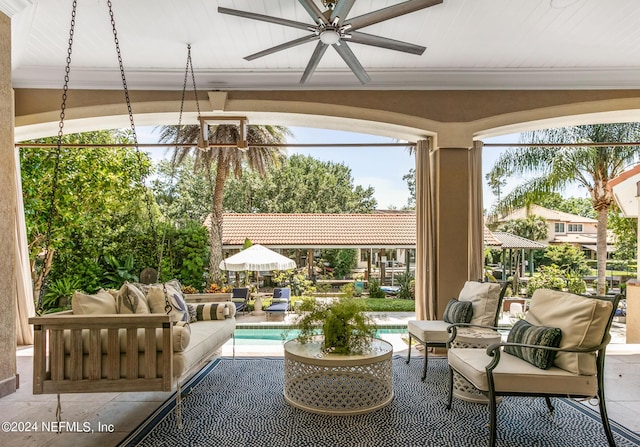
[
  {"x": 583, "y": 322},
  {"x": 131, "y": 300},
  {"x": 99, "y": 304},
  {"x": 193, "y": 315},
  {"x": 527, "y": 333},
  {"x": 212, "y": 311},
  {"x": 458, "y": 311},
  {"x": 156, "y": 299},
  {"x": 181, "y": 336},
  {"x": 484, "y": 296}
]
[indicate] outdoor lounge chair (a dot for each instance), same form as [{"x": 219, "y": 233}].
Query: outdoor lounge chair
[
  {"x": 558, "y": 350},
  {"x": 280, "y": 303},
  {"x": 240, "y": 297},
  {"x": 486, "y": 302}
]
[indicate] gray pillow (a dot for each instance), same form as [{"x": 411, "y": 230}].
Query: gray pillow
[
  {"x": 458, "y": 311},
  {"x": 527, "y": 333}
]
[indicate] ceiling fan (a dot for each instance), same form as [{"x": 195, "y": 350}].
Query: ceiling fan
[{"x": 332, "y": 27}]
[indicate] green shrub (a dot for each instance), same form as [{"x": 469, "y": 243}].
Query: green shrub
[
  {"x": 374, "y": 289},
  {"x": 547, "y": 277},
  {"x": 567, "y": 257},
  {"x": 575, "y": 283},
  {"x": 58, "y": 294},
  {"x": 407, "y": 286}
]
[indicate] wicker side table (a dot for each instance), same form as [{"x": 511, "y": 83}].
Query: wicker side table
[
  {"x": 336, "y": 384},
  {"x": 475, "y": 338}
]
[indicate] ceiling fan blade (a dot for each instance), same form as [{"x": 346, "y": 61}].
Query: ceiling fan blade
[
  {"x": 282, "y": 46},
  {"x": 313, "y": 10},
  {"x": 263, "y": 18},
  {"x": 313, "y": 62},
  {"x": 390, "y": 12},
  {"x": 383, "y": 42},
  {"x": 345, "y": 53},
  {"x": 341, "y": 10}
]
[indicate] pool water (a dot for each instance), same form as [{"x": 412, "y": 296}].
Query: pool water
[{"x": 273, "y": 336}]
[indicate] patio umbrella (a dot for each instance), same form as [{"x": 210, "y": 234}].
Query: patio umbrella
[{"x": 257, "y": 258}]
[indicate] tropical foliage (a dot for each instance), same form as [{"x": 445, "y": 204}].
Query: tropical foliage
[
  {"x": 547, "y": 170},
  {"x": 567, "y": 257},
  {"x": 532, "y": 227},
  {"x": 218, "y": 163},
  {"x": 99, "y": 209}
]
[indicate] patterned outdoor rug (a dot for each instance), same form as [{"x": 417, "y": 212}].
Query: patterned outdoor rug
[{"x": 239, "y": 403}]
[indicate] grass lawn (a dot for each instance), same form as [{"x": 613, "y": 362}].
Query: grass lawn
[
  {"x": 372, "y": 304},
  {"x": 389, "y": 305}
]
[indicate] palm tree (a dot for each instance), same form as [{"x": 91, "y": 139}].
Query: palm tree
[
  {"x": 553, "y": 168},
  {"x": 218, "y": 163}
]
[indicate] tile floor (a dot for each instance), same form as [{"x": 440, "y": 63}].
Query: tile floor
[{"x": 120, "y": 413}]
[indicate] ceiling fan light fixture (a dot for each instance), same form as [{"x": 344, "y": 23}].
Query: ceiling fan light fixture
[{"x": 329, "y": 37}]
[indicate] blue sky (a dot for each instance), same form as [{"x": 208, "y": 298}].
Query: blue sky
[{"x": 381, "y": 168}]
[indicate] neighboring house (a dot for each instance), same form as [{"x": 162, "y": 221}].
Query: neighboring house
[{"x": 565, "y": 228}]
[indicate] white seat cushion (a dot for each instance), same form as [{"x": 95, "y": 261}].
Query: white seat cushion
[
  {"x": 515, "y": 375},
  {"x": 429, "y": 330}
]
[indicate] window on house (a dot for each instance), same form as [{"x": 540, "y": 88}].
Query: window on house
[
  {"x": 575, "y": 228},
  {"x": 558, "y": 228}
]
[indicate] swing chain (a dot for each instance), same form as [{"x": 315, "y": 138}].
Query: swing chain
[
  {"x": 56, "y": 166},
  {"x": 135, "y": 136},
  {"x": 193, "y": 79}
]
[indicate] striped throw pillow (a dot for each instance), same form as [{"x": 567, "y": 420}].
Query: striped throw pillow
[
  {"x": 212, "y": 311},
  {"x": 458, "y": 311},
  {"x": 527, "y": 333}
]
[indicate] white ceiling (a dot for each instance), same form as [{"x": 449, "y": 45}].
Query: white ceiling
[{"x": 471, "y": 44}]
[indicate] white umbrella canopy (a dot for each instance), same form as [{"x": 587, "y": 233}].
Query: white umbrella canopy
[{"x": 257, "y": 258}]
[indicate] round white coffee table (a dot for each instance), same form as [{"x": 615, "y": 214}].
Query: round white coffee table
[{"x": 337, "y": 384}]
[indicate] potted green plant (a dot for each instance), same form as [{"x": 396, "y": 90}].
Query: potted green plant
[{"x": 342, "y": 325}]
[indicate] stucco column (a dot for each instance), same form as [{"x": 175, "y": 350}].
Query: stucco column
[
  {"x": 451, "y": 166},
  {"x": 633, "y": 311},
  {"x": 8, "y": 292}
]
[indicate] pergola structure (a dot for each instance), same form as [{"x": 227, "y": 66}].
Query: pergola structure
[
  {"x": 511, "y": 243},
  {"x": 492, "y": 67}
]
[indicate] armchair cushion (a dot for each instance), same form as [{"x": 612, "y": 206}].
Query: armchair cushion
[
  {"x": 582, "y": 321},
  {"x": 484, "y": 297},
  {"x": 434, "y": 331},
  {"x": 527, "y": 333},
  {"x": 517, "y": 376},
  {"x": 458, "y": 311}
]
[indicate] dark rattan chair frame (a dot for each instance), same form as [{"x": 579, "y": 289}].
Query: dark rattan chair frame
[
  {"x": 436, "y": 344},
  {"x": 494, "y": 351}
]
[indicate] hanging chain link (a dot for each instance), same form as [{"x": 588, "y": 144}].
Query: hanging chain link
[
  {"x": 193, "y": 79},
  {"x": 56, "y": 167},
  {"x": 135, "y": 137}
]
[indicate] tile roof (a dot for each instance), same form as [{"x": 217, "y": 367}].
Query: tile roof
[
  {"x": 512, "y": 241},
  {"x": 490, "y": 240},
  {"x": 396, "y": 229}
]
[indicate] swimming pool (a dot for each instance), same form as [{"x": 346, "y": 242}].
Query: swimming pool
[{"x": 271, "y": 336}]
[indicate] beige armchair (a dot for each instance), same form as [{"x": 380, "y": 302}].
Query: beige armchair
[
  {"x": 558, "y": 350},
  {"x": 486, "y": 302}
]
